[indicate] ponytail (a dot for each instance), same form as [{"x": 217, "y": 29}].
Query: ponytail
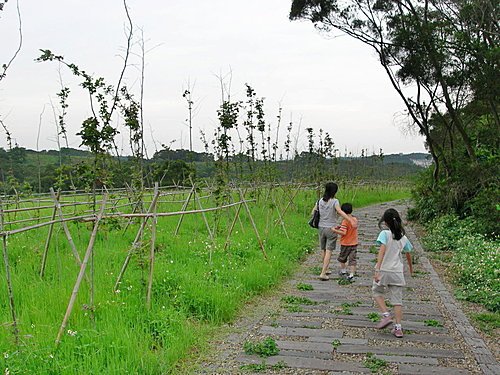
[
  {"x": 393, "y": 221},
  {"x": 330, "y": 191}
]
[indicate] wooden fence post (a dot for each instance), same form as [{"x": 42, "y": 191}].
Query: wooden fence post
[
  {"x": 10, "y": 292},
  {"x": 47, "y": 241},
  {"x": 136, "y": 242},
  {"x": 65, "y": 227},
  {"x": 152, "y": 251},
  {"x": 78, "y": 282},
  {"x": 261, "y": 244},
  {"x": 184, "y": 206}
]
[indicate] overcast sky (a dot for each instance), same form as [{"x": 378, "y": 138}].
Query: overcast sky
[{"x": 335, "y": 84}]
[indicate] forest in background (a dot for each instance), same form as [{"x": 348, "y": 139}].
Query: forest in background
[{"x": 26, "y": 171}]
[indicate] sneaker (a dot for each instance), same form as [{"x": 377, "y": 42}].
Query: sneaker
[
  {"x": 350, "y": 278},
  {"x": 397, "y": 332},
  {"x": 384, "y": 322},
  {"x": 328, "y": 272},
  {"x": 324, "y": 277},
  {"x": 342, "y": 274}
]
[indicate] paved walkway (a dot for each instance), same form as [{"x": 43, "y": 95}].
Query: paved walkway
[{"x": 331, "y": 331}]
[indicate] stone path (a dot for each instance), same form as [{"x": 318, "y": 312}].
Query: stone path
[{"x": 331, "y": 331}]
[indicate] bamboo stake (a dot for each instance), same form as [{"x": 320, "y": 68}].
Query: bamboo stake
[
  {"x": 15, "y": 330},
  {"x": 184, "y": 206},
  {"x": 47, "y": 241},
  {"x": 76, "y": 288},
  {"x": 10, "y": 292},
  {"x": 242, "y": 197},
  {"x": 291, "y": 200},
  {"x": 135, "y": 244},
  {"x": 280, "y": 217},
  {"x": 236, "y": 217},
  {"x": 202, "y": 212},
  {"x": 152, "y": 251},
  {"x": 65, "y": 227}
]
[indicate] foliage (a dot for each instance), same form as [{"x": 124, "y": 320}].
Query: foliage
[
  {"x": 303, "y": 286},
  {"x": 374, "y": 317},
  {"x": 336, "y": 344},
  {"x": 475, "y": 259},
  {"x": 432, "y": 323},
  {"x": 265, "y": 348},
  {"x": 373, "y": 363},
  {"x": 488, "y": 322},
  {"x": 443, "y": 61}
]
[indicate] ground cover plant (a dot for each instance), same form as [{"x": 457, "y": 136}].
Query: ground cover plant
[
  {"x": 474, "y": 259},
  {"x": 198, "y": 284}
]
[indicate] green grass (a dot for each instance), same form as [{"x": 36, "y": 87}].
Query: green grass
[
  {"x": 374, "y": 317},
  {"x": 197, "y": 286},
  {"x": 304, "y": 286},
  {"x": 264, "y": 348},
  {"x": 373, "y": 363},
  {"x": 432, "y": 323},
  {"x": 487, "y": 322}
]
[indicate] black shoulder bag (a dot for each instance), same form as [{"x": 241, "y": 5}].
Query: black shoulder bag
[{"x": 314, "y": 222}]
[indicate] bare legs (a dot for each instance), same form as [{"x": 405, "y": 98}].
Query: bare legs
[
  {"x": 398, "y": 309},
  {"x": 327, "y": 254}
]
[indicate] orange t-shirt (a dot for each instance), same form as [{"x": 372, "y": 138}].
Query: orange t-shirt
[{"x": 351, "y": 236}]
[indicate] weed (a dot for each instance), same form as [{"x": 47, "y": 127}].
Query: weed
[
  {"x": 303, "y": 286},
  {"x": 278, "y": 366},
  {"x": 255, "y": 367},
  {"x": 374, "y": 317},
  {"x": 265, "y": 348},
  {"x": 336, "y": 344},
  {"x": 316, "y": 270},
  {"x": 294, "y": 308},
  {"x": 373, "y": 249},
  {"x": 294, "y": 300},
  {"x": 488, "y": 322},
  {"x": 373, "y": 363},
  {"x": 432, "y": 323},
  {"x": 344, "y": 281}
]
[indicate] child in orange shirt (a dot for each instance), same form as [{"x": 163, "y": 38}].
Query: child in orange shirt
[{"x": 348, "y": 242}]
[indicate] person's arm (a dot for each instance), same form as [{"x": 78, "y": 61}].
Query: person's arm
[
  {"x": 380, "y": 258},
  {"x": 410, "y": 264},
  {"x": 342, "y": 230},
  {"x": 343, "y": 214},
  {"x": 315, "y": 208}
]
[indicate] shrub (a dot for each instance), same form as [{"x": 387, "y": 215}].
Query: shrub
[{"x": 475, "y": 259}]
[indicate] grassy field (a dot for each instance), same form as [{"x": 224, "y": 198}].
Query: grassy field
[{"x": 197, "y": 285}]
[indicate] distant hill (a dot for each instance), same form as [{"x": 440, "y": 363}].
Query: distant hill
[
  {"x": 24, "y": 169},
  {"x": 419, "y": 159}
]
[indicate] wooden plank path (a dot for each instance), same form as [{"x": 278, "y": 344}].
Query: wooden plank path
[{"x": 438, "y": 338}]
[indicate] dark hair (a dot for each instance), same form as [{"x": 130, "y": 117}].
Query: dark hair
[
  {"x": 347, "y": 208},
  {"x": 330, "y": 191},
  {"x": 393, "y": 221}
]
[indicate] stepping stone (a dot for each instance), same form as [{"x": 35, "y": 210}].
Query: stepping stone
[
  {"x": 298, "y": 324},
  {"x": 307, "y": 332},
  {"x": 343, "y": 340},
  {"x": 413, "y": 326},
  {"x": 413, "y": 337},
  {"x": 410, "y": 351},
  {"x": 324, "y": 347},
  {"x": 426, "y": 370},
  {"x": 308, "y": 363},
  {"x": 408, "y": 359}
]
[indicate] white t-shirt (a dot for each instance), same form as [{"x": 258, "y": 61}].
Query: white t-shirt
[
  {"x": 393, "y": 260},
  {"x": 328, "y": 213}
]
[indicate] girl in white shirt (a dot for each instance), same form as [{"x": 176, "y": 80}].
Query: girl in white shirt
[{"x": 389, "y": 277}]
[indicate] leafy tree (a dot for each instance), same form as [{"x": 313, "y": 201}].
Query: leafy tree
[{"x": 442, "y": 59}]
